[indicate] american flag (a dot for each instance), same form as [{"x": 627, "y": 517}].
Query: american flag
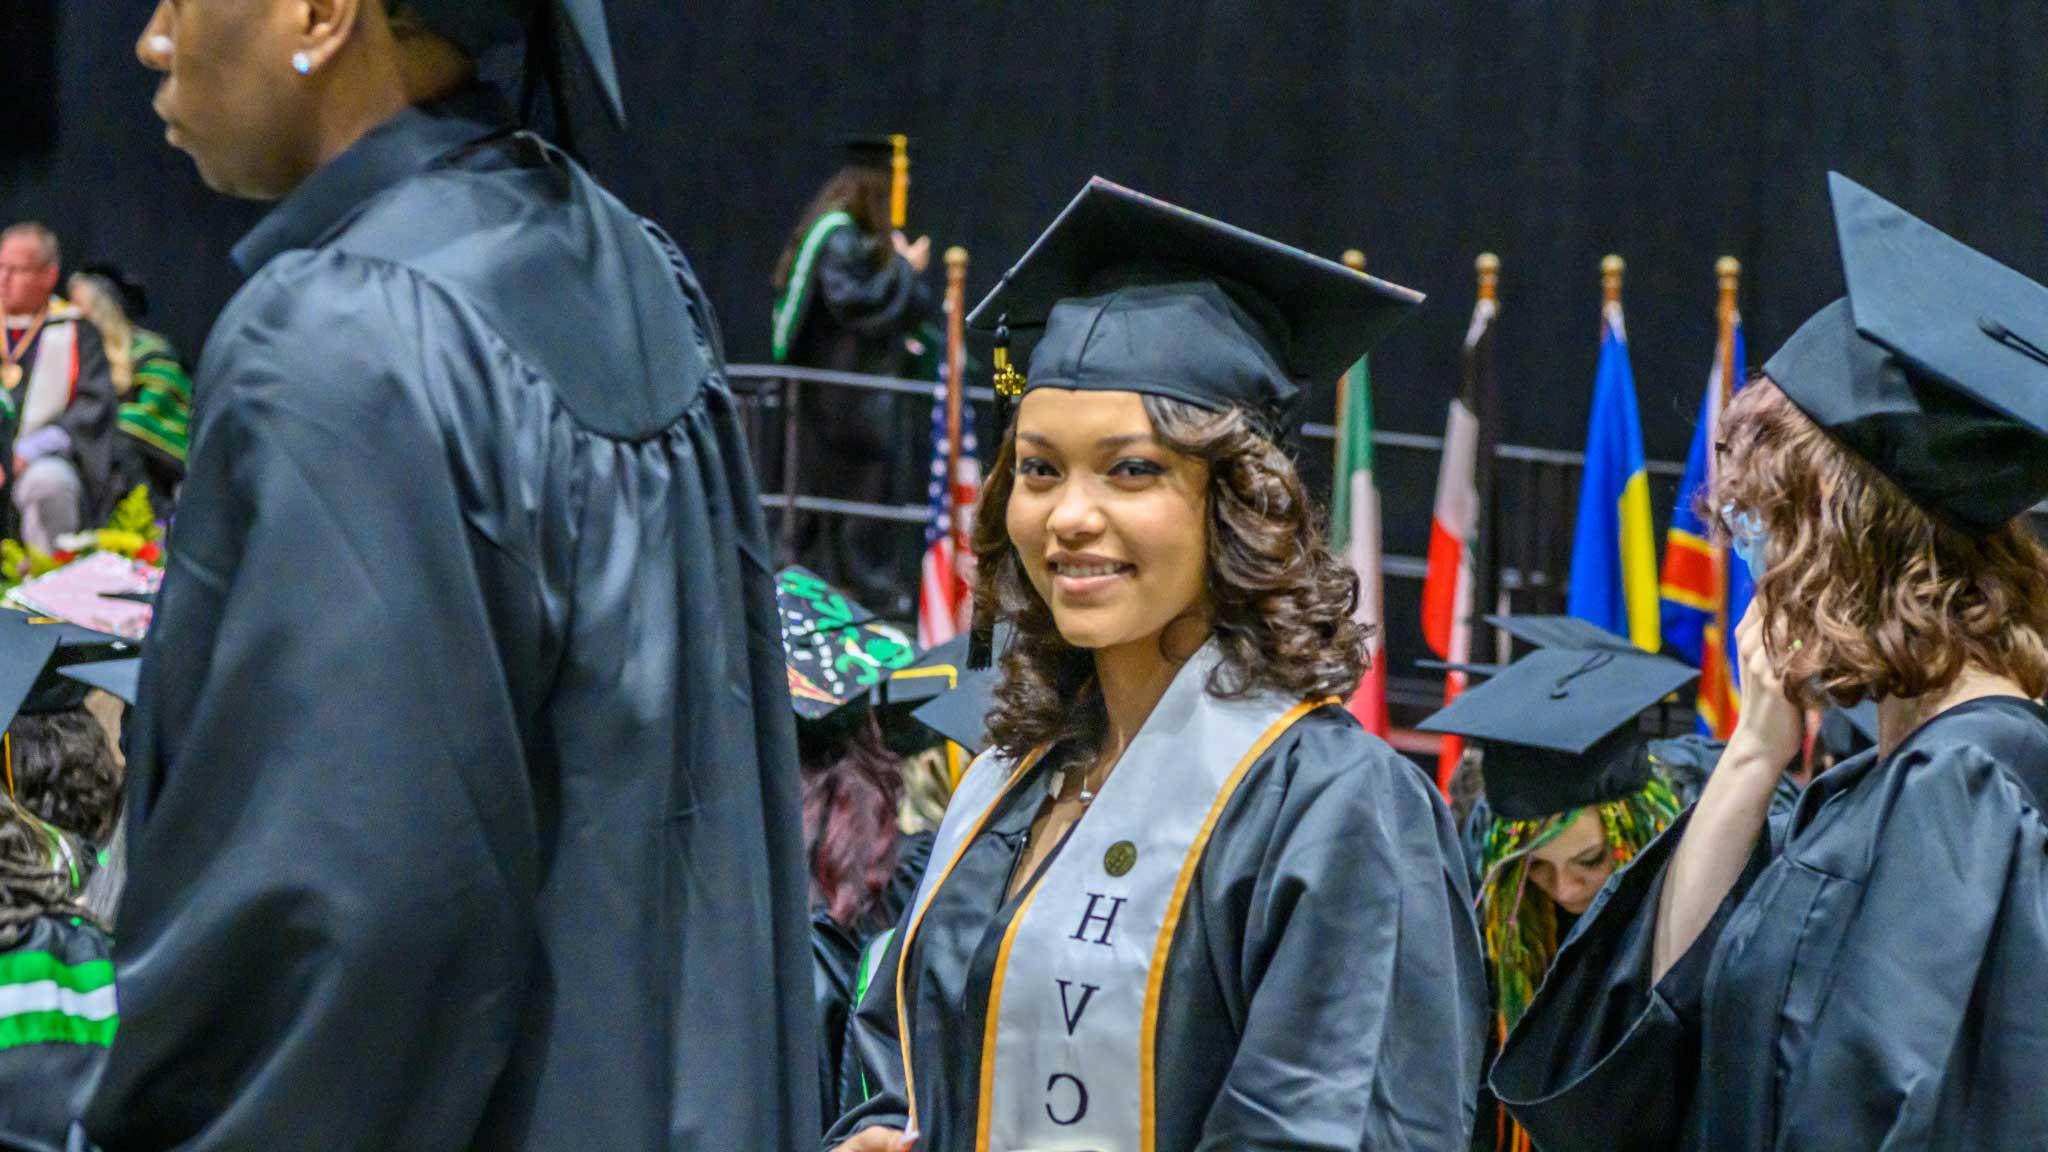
[{"x": 945, "y": 596}]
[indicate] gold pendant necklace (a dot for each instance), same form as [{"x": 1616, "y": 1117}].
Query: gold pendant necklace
[{"x": 11, "y": 370}]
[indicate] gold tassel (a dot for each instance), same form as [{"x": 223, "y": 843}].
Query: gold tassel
[{"x": 899, "y": 181}]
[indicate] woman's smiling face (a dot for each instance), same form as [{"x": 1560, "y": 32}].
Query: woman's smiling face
[{"x": 1111, "y": 525}]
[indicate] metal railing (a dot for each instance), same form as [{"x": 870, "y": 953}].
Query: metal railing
[{"x": 1536, "y": 487}]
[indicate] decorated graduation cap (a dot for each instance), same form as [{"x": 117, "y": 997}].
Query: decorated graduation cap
[
  {"x": 1562, "y": 727},
  {"x": 836, "y": 651},
  {"x": 1127, "y": 293},
  {"x": 476, "y": 26},
  {"x": 1934, "y": 367}
]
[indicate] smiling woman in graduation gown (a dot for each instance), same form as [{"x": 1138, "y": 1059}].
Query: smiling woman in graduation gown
[
  {"x": 462, "y": 806},
  {"x": 1875, "y": 976},
  {"x": 1256, "y": 931}
]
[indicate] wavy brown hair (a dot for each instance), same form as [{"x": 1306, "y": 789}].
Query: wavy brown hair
[
  {"x": 861, "y": 192},
  {"x": 1868, "y": 594},
  {"x": 1281, "y": 601}
]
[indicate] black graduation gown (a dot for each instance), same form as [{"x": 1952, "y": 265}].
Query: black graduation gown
[
  {"x": 48, "y": 1054},
  {"x": 1335, "y": 856},
  {"x": 463, "y": 797},
  {"x": 1878, "y": 981},
  {"x": 869, "y": 446}
]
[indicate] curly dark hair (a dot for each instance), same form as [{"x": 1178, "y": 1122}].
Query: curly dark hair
[
  {"x": 65, "y": 772},
  {"x": 32, "y": 884},
  {"x": 1282, "y": 602},
  {"x": 1868, "y": 594}
]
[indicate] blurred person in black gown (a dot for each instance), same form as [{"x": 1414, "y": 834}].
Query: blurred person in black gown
[
  {"x": 851, "y": 296},
  {"x": 462, "y": 805},
  {"x": 1871, "y": 972}
]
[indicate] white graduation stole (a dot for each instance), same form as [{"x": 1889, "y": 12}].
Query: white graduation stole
[
  {"x": 1067, "y": 1055},
  {"x": 52, "y": 377}
]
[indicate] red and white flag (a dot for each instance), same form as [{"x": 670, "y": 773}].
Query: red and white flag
[{"x": 1447, "y": 593}]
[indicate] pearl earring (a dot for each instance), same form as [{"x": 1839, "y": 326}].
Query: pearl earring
[{"x": 302, "y": 64}]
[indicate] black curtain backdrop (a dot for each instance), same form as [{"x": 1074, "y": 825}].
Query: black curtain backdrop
[{"x": 1422, "y": 131}]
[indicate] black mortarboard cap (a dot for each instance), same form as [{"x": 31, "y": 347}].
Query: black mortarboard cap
[
  {"x": 961, "y": 715},
  {"x": 1562, "y": 727},
  {"x": 1934, "y": 368},
  {"x": 476, "y": 26},
  {"x": 118, "y": 678},
  {"x": 1126, "y": 293},
  {"x": 134, "y": 298},
  {"x": 934, "y": 673},
  {"x": 872, "y": 151},
  {"x": 1468, "y": 669},
  {"x": 33, "y": 649},
  {"x": 1561, "y": 632},
  {"x": 937, "y": 671},
  {"x": 835, "y": 650}
]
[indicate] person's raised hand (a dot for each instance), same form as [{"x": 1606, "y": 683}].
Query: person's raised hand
[
  {"x": 917, "y": 253},
  {"x": 1771, "y": 727}
]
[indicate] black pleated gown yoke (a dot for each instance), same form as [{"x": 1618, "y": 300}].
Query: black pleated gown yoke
[{"x": 463, "y": 807}]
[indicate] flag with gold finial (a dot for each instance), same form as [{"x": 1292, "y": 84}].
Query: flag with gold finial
[{"x": 1614, "y": 549}]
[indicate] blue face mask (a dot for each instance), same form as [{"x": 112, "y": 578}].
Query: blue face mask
[{"x": 1746, "y": 535}]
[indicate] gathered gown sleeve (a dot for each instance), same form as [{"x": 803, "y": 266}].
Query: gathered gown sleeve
[
  {"x": 1604, "y": 1059},
  {"x": 869, "y": 299},
  {"x": 1933, "y": 1031},
  {"x": 1365, "y": 998},
  {"x": 874, "y": 1055}
]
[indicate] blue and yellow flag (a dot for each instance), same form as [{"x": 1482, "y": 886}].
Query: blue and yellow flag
[
  {"x": 1707, "y": 588},
  {"x": 1614, "y": 551}
]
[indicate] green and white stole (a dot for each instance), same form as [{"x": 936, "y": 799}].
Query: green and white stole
[
  {"x": 1068, "y": 1058},
  {"x": 796, "y": 296}
]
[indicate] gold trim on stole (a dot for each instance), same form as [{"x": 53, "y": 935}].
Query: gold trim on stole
[
  {"x": 1148, "y": 1044},
  {"x": 917, "y": 921}
]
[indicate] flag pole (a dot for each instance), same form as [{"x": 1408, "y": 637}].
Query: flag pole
[
  {"x": 956, "y": 385},
  {"x": 1485, "y": 575},
  {"x": 1611, "y": 269},
  {"x": 1728, "y": 272},
  {"x": 1354, "y": 260}
]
